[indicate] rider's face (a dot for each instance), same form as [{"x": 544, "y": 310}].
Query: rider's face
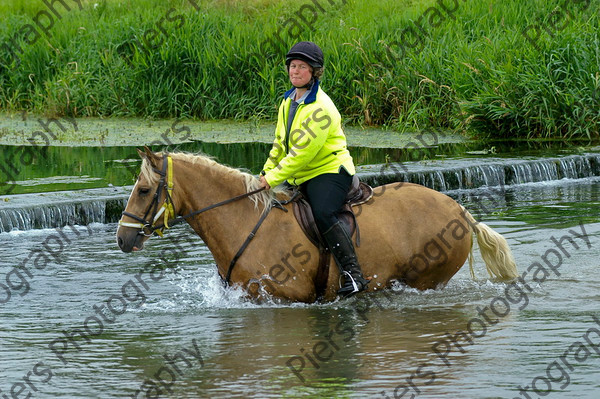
[{"x": 300, "y": 73}]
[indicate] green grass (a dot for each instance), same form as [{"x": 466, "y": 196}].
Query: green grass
[{"x": 474, "y": 72}]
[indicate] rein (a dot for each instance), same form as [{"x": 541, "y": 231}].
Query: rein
[
  {"x": 180, "y": 219},
  {"x": 168, "y": 209}
]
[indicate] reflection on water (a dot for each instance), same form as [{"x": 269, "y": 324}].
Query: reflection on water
[
  {"x": 369, "y": 346},
  {"x": 93, "y": 167}
]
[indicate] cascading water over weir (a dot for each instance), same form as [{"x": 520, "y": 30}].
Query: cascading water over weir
[
  {"x": 473, "y": 173},
  {"x": 61, "y": 208}
]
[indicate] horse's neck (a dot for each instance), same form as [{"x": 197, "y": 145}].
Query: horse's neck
[{"x": 224, "y": 228}]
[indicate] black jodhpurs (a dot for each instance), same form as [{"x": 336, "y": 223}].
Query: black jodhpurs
[{"x": 326, "y": 194}]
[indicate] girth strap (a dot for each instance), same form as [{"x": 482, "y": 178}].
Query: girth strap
[{"x": 245, "y": 245}]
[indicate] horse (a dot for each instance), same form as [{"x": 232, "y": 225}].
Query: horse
[{"x": 410, "y": 234}]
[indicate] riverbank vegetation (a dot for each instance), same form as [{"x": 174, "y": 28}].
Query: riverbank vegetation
[{"x": 527, "y": 69}]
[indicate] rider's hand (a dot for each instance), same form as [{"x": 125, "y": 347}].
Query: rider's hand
[{"x": 263, "y": 183}]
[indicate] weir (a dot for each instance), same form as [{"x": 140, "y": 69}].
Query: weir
[
  {"x": 60, "y": 208},
  {"x": 57, "y": 209},
  {"x": 464, "y": 174}
]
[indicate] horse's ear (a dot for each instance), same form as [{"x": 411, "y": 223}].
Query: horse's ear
[{"x": 149, "y": 155}]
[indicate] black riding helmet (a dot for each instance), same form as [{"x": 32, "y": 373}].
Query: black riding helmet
[{"x": 307, "y": 52}]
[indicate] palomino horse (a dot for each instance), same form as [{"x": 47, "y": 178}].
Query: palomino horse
[{"x": 409, "y": 233}]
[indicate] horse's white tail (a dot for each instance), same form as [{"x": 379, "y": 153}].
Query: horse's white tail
[{"x": 494, "y": 250}]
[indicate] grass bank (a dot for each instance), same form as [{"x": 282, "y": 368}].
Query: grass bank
[{"x": 527, "y": 69}]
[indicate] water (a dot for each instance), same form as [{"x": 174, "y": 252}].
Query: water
[
  {"x": 55, "y": 168},
  {"x": 368, "y": 347},
  {"x": 374, "y": 346}
]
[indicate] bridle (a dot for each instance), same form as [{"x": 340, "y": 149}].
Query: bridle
[{"x": 167, "y": 210}]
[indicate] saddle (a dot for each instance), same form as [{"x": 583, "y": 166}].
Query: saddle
[{"x": 359, "y": 193}]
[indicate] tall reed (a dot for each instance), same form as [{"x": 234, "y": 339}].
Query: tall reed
[{"x": 472, "y": 69}]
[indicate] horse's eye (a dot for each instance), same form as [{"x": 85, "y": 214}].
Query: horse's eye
[{"x": 144, "y": 191}]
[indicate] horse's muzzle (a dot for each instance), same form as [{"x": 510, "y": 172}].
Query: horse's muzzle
[{"x": 130, "y": 239}]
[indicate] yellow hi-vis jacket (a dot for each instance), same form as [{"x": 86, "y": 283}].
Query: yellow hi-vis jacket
[{"x": 314, "y": 145}]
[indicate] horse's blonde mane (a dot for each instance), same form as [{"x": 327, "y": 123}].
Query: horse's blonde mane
[{"x": 264, "y": 198}]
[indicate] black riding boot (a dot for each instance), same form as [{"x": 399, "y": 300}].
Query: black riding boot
[{"x": 340, "y": 245}]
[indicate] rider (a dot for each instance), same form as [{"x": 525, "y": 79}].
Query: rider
[{"x": 310, "y": 151}]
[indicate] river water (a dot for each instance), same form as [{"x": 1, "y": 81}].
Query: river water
[{"x": 174, "y": 331}]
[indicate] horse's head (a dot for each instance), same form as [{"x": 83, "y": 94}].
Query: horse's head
[{"x": 145, "y": 204}]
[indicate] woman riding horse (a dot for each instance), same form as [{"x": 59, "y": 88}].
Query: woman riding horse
[
  {"x": 310, "y": 152},
  {"x": 410, "y": 234}
]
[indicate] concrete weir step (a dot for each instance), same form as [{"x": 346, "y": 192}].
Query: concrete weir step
[{"x": 61, "y": 208}]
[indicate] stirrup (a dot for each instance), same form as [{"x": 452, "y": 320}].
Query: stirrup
[{"x": 351, "y": 286}]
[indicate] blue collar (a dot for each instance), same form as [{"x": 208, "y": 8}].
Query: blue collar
[{"x": 312, "y": 96}]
